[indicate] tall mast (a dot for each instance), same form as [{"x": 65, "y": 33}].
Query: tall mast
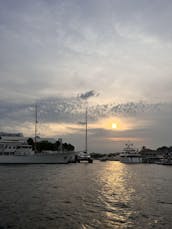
[
  {"x": 86, "y": 127},
  {"x": 36, "y": 121}
]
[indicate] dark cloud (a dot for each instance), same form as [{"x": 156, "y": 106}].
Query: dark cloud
[
  {"x": 88, "y": 95},
  {"x": 124, "y": 109},
  {"x": 61, "y": 109},
  {"x": 81, "y": 123},
  {"x": 153, "y": 121}
]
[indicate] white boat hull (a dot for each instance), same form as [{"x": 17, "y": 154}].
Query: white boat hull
[
  {"x": 130, "y": 155},
  {"x": 58, "y": 158},
  {"x": 131, "y": 160}
]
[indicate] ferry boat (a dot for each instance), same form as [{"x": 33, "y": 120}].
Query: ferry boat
[
  {"x": 130, "y": 155},
  {"x": 15, "y": 150}
]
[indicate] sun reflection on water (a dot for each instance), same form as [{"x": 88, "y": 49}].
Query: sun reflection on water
[{"x": 115, "y": 193}]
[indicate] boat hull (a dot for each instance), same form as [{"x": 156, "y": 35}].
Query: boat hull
[
  {"x": 131, "y": 160},
  {"x": 59, "y": 158}
]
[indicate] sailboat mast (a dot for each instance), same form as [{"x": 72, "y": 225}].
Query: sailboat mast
[
  {"x": 36, "y": 121},
  {"x": 86, "y": 130}
]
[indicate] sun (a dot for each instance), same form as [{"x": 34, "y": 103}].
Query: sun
[{"x": 114, "y": 125}]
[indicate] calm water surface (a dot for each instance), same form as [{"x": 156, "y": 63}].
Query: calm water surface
[{"x": 98, "y": 195}]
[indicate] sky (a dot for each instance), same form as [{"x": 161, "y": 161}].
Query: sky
[{"x": 112, "y": 56}]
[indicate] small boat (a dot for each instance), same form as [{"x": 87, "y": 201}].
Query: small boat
[
  {"x": 83, "y": 156},
  {"x": 166, "y": 160},
  {"x": 130, "y": 155}
]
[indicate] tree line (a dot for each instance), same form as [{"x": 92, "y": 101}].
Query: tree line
[{"x": 46, "y": 145}]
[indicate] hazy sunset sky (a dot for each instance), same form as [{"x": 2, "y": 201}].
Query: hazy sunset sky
[{"x": 115, "y": 53}]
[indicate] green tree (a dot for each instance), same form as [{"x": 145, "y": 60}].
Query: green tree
[{"x": 30, "y": 142}]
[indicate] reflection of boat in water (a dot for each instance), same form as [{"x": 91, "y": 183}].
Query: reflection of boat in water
[
  {"x": 130, "y": 155},
  {"x": 15, "y": 150}
]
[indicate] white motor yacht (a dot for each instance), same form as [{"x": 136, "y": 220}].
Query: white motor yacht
[
  {"x": 130, "y": 155},
  {"x": 15, "y": 150}
]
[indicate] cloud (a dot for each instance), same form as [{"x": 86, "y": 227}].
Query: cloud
[
  {"x": 63, "y": 46},
  {"x": 52, "y": 50},
  {"x": 71, "y": 110},
  {"x": 149, "y": 124},
  {"x": 88, "y": 95}
]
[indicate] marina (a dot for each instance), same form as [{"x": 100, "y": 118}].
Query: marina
[
  {"x": 85, "y": 114},
  {"x": 14, "y": 149}
]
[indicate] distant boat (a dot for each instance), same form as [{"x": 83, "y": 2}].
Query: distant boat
[
  {"x": 130, "y": 155},
  {"x": 166, "y": 160}
]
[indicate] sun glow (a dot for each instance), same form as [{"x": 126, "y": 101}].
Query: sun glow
[
  {"x": 111, "y": 123},
  {"x": 114, "y": 125}
]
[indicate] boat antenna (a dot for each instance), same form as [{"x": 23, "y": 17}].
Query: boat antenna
[
  {"x": 36, "y": 121},
  {"x": 86, "y": 129}
]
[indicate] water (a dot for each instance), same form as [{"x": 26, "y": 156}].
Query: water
[{"x": 99, "y": 195}]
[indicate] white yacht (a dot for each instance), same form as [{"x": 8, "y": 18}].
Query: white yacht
[
  {"x": 130, "y": 155},
  {"x": 15, "y": 150}
]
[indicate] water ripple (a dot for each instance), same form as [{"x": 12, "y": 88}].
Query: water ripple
[{"x": 85, "y": 196}]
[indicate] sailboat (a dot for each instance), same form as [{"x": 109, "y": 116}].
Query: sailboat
[
  {"x": 15, "y": 150},
  {"x": 85, "y": 156}
]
